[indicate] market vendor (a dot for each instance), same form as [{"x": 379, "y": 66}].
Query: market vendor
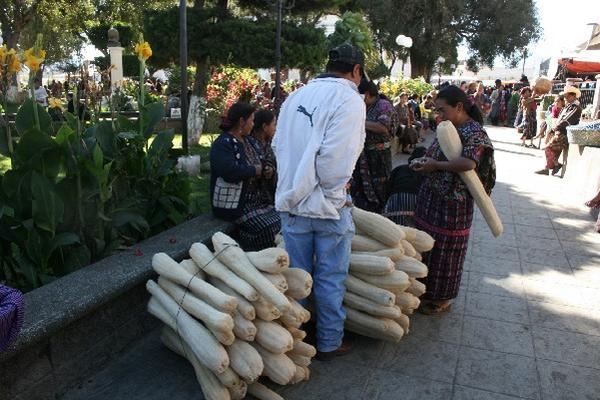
[
  {"x": 320, "y": 134},
  {"x": 569, "y": 115}
]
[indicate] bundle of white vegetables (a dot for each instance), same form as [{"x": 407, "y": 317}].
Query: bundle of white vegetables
[
  {"x": 235, "y": 316},
  {"x": 382, "y": 289}
]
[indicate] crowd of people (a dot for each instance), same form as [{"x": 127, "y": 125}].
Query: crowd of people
[{"x": 330, "y": 149}]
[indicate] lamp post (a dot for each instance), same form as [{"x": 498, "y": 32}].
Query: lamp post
[
  {"x": 440, "y": 61},
  {"x": 404, "y": 42},
  {"x": 183, "y": 64},
  {"x": 279, "y": 4}
]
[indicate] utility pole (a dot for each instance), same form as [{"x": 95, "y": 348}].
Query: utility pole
[{"x": 183, "y": 63}]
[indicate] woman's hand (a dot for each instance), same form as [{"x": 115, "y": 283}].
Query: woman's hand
[
  {"x": 258, "y": 169},
  {"x": 425, "y": 164},
  {"x": 268, "y": 172}
]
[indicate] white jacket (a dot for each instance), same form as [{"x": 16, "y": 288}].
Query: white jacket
[{"x": 320, "y": 134}]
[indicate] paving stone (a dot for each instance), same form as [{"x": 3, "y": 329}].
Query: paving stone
[
  {"x": 530, "y": 242},
  {"x": 508, "y": 286},
  {"x": 556, "y": 293},
  {"x": 497, "y": 251},
  {"x": 333, "y": 380},
  {"x": 588, "y": 276},
  {"x": 497, "y": 335},
  {"x": 576, "y": 248},
  {"x": 496, "y": 307},
  {"x": 562, "y": 275},
  {"x": 572, "y": 224},
  {"x": 550, "y": 257},
  {"x": 494, "y": 265},
  {"x": 572, "y": 348},
  {"x": 506, "y": 239},
  {"x": 467, "y": 393},
  {"x": 412, "y": 356},
  {"x": 536, "y": 221},
  {"x": 365, "y": 351},
  {"x": 388, "y": 385},
  {"x": 566, "y": 382},
  {"x": 444, "y": 327},
  {"x": 525, "y": 231},
  {"x": 497, "y": 372},
  {"x": 566, "y": 318},
  {"x": 578, "y": 235}
]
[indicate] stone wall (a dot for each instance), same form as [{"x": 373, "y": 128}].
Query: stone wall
[{"x": 77, "y": 324}]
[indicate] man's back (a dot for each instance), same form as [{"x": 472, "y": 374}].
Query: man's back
[{"x": 320, "y": 134}]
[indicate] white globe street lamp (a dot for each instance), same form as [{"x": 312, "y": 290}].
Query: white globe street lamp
[
  {"x": 440, "y": 61},
  {"x": 404, "y": 41}
]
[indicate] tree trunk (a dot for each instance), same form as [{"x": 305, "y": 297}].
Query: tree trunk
[
  {"x": 419, "y": 68},
  {"x": 196, "y": 112}
]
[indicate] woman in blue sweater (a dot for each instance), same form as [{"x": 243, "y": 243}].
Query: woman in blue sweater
[{"x": 236, "y": 161}]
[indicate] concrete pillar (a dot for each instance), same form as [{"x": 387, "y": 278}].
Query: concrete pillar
[{"x": 116, "y": 61}]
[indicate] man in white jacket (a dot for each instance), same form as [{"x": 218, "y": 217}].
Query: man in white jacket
[{"x": 320, "y": 134}]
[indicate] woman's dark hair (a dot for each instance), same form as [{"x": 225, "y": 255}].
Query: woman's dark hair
[
  {"x": 235, "y": 112},
  {"x": 453, "y": 95},
  {"x": 263, "y": 117},
  {"x": 371, "y": 88}
]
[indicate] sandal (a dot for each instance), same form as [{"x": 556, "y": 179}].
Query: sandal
[{"x": 431, "y": 308}]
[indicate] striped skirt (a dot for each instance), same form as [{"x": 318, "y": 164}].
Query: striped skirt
[
  {"x": 258, "y": 227},
  {"x": 449, "y": 223}
]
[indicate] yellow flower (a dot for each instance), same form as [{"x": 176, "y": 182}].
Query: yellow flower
[
  {"x": 3, "y": 54},
  {"x": 55, "y": 103},
  {"x": 143, "y": 51},
  {"x": 14, "y": 65},
  {"x": 34, "y": 58}
]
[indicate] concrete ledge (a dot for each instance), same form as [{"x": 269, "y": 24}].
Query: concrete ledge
[{"x": 78, "y": 323}]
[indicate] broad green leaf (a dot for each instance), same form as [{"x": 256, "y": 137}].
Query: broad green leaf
[
  {"x": 25, "y": 120},
  {"x": 76, "y": 258},
  {"x": 47, "y": 206},
  {"x": 125, "y": 124},
  {"x": 64, "y": 134},
  {"x": 152, "y": 114},
  {"x": 60, "y": 240},
  {"x": 32, "y": 144},
  {"x": 161, "y": 143},
  {"x": 105, "y": 136},
  {"x": 4, "y": 140}
]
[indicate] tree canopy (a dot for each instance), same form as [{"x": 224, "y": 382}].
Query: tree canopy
[{"x": 490, "y": 29}]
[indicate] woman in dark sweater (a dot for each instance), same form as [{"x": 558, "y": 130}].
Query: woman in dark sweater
[{"x": 237, "y": 169}]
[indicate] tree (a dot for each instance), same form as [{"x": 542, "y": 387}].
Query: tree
[{"x": 490, "y": 29}]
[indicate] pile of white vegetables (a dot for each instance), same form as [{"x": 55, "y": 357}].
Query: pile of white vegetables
[
  {"x": 381, "y": 287},
  {"x": 235, "y": 316}
]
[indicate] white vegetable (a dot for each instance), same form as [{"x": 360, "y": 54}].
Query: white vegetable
[
  {"x": 412, "y": 267},
  {"x": 273, "y": 260},
  {"x": 203, "y": 344},
  {"x": 245, "y": 360},
  {"x": 219, "y": 323},
  {"x": 366, "y": 244},
  {"x": 369, "y": 291},
  {"x": 396, "y": 281},
  {"x": 261, "y": 392},
  {"x": 372, "y": 265},
  {"x": 273, "y": 337},
  {"x": 378, "y": 227},
  {"x": 265, "y": 310},
  {"x": 278, "y": 280},
  {"x": 229, "y": 252},
  {"x": 244, "y": 306},
  {"x": 361, "y": 304},
  {"x": 394, "y": 253},
  {"x": 243, "y": 328},
  {"x": 451, "y": 145},
  {"x": 417, "y": 288},
  {"x": 206, "y": 260},
  {"x": 278, "y": 367},
  {"x": 299, "y": 283},
  {"x": 165, "y": 266}
]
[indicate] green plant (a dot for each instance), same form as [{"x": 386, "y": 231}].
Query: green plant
[{"x": 393, "y": 88}]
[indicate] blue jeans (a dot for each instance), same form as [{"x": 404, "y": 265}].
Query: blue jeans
[{"x": 322, "y": 248}]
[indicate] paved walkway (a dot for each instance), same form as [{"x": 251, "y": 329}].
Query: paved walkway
[{"x": 525, "y": 325}]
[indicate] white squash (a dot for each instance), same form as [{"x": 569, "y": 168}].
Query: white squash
[
  {"x": 304, "y": 349},
  {"x": 273, "y": 337},
  {"x": 297, "y": 334},
  {"x": 395, "y": 281},
  {"x": 299, "y": 359},
  {"x": 167, "y": 267},
  {"x": 379, "y": 328},
  {"x": 377, "y": 227},
  {"x": 219, "y": 323},
  {"x": 370, "y": 307},
  {"x": 243, "y": 328},
  {"x": 278, "y": 280},
  {"x": 265, "y": 310},
  {"x": 299, "y": 283},
  {"x": 366, "y": 244},
  {"x": 207, "y": 261},
  {"x": 407, "y": 301},
  {"x": 409, "y": 250},
  {"x": 416, "y": 288},
  {"x": 245, "y": 360},
  {"x": 371, "y": 265},
  {"x": 211, "y": 387},
  {"x": 190, "y": 266},
  {"x": 244, "y": 306},
  {"x": 394, "y": 253},
  {"x": 451, "y": 145},
  {"x": 273, "y": 260},
  {"x": 278, "y": 367},
  {"x": 404, "y": 322},
  {"x": 229, "y": 252},
  {"x": 202, "y": 342},
  {"x": 413, "y": 268},
  {"x": 369, "y": 291}
]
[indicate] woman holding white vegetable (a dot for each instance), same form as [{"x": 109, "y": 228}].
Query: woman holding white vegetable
[{"x": 445, "y": 206}]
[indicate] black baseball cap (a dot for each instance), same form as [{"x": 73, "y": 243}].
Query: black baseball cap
[{"x": 349, "y": 54}]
